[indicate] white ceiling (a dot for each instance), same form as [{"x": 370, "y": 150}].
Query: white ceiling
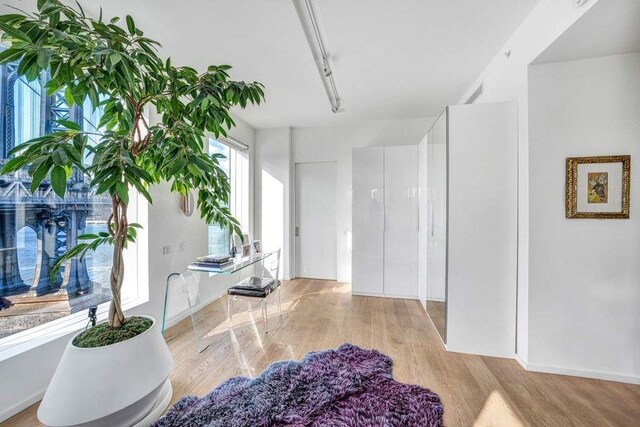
[
  {"x": 391, "y": 59},
  {"x": 610, "y": 27}
]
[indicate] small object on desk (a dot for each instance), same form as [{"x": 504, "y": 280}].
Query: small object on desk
[
  {"x": 214, "y": 259},
  {"x": 246, "y": 251},
  {"x": 212, "y": 264},
  {"x": 236, "y": 244}
]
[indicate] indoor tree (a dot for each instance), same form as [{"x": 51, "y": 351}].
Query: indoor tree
[{"x": 120, "y": 71}]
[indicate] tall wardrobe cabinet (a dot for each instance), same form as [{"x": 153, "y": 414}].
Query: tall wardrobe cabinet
[
  {"x": 469, "y": 194},
  {"x": 385, "y": 221}
]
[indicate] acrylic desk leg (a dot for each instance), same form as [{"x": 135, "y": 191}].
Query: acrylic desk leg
[{"x": 229, "y": 312}]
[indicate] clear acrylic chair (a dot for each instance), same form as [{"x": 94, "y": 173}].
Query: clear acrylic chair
[{"x": 257, "y": 289}]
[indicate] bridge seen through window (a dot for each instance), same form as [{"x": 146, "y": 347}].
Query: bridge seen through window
[
  {"x": 36, "y": 228},
  {"x": 236, "y": 165}
]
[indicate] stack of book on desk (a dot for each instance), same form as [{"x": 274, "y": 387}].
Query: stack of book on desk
[{"x": 214, "y": 261}]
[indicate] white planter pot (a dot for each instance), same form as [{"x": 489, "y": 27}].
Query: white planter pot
[{"x": 122, "y": 384}]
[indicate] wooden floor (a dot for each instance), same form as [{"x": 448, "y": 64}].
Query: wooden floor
[{"x": 480, "y": 391}]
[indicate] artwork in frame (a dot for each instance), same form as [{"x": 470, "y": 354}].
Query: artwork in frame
[{"x": 598, "y": 187}]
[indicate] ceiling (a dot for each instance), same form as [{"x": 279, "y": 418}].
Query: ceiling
[
  {"x": 400, "y": 59},
  {"x": 610, "y": 27}
]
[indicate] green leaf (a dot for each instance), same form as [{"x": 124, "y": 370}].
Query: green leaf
[
  {"x": 123, "y": 192},
  {"x": 11, "y": 18},
  {"x": 14, "y": 164},
  {"x": 193, "y": 169},
  {"x": 44, "y": 56},
  {"x": 35, "y": 164},
  {"x": 115, "y": 58},
  {"x": 142, "y": 191},
  {"x": 59, "y": 157},
  {"x": 14, "y": 32},
  {"x": 88, "y": 236},
  {"x": 131, "y": 25},
  {"x": 69, "y": 124},
  {"x": 27, "y": 65},
  {"x": 39, "y": 174},
  {"x": 68, "y": 97},
  {"x": 79, "y": 249},
  {"x": 59, "y": 180},
  {"x": 10, "y": 55}
]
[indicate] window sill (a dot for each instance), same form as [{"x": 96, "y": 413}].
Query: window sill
[{"x": 21, "y": 342}]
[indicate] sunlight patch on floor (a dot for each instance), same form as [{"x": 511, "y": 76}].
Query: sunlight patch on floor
[
  {"x": 497, "y": 412},
  {"x": 245, "y": 322}
]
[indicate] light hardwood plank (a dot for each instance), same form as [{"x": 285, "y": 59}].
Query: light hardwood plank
[{"x": 475, "y": 390}]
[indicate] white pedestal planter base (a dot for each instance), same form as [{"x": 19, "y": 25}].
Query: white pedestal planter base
[
  {"x": 122, "y": 384},
  {"x": 162, "y": 402}
]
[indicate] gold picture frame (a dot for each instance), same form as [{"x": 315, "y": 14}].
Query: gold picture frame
[{"x": 596, "y": 188}]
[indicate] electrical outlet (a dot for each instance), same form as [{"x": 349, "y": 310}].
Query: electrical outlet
[
  {"x": 166, "y": 250},
  {"x": 181, "y": 247}
]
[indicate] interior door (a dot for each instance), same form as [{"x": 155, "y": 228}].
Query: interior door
[
  {"x": 401, "y": 221},
  {"x": 316, "y": 230},
  {"x": 368, "y": 221}
]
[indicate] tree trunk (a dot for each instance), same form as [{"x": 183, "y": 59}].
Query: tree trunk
[
  {"x": 120, "y": 229},
  {"x": 116, "y": 316}
]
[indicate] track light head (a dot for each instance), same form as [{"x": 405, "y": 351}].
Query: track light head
[
  {"x": 313, "y": 34},
  {"x": 326, "y": 67},
  {"x": 336, "y": 107}
]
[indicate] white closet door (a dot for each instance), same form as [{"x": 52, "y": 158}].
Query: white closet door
[
  {"x": 423, "y": 219},
  {"x": 401, "y": 221},
  {"x": 368, "y": 221}
]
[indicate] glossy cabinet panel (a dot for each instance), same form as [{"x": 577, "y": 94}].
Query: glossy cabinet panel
[
  {"x": 482, "y": 237},
  {"x": 368, "y": 221},
  {"x": 401, "y": 221}
]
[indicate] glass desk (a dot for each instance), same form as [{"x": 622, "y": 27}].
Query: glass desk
[{"x": 190, "y": 281}]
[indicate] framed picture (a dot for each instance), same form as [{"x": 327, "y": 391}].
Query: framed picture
[
  {"x": 246, "y": 245},
  {"x": 598, "y": 187}
]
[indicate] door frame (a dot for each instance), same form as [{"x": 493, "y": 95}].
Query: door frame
[{"x": 294, "y": 217}]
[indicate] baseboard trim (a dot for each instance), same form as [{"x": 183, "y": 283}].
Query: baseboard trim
[
  {"x": 367, "y": 294},
  {"x": 21, "y": 406},
  {"x": 436, "y": 299},
  {"x": 606, "y": 376},
  {"x": 371, "y": 294},
  {"x": 521, "y": 361}
]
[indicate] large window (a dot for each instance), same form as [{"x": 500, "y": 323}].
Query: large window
[
  {"x": 37, "y": 228},
  {"x": 236, "y": 166}
]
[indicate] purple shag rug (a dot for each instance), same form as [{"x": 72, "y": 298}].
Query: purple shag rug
[{"x": 347, "y": 387}]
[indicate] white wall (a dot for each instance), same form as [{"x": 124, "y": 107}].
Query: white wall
[
  {"x": 584, "y": 274},
  {"x": 273, "y": 192},
  {"x": 28, "y": 374},
  {"x": 335, "y": 143},
  {"x": 505, "y": 79}
]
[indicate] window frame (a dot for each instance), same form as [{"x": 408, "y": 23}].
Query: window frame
[
  {"x": 136, "y": 285},
  {"x": 235, "y": 150}
]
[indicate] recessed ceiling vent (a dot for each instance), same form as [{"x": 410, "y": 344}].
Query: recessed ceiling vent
[{"x": 475, "y": 95}]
